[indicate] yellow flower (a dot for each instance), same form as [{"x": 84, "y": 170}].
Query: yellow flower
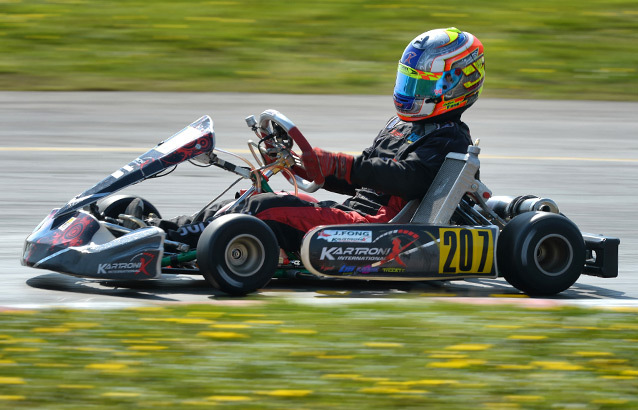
[
  {"x": 457, "y": 363},
  {"x": 106, "y": 366},
  {"x": 147, "y": 347},
  {"x": 339, "y": 376},
  {"x": 51, "y": 329},
  {"x": 556, "y": 366},
  {"x": 527, "y": 337},
  {"x": 12, "y": 380},
  {"x": 298, "y": 331},
  {"x": 286, "y": 393},
  {"x": 120, "y": 394},
  {"x": 222, "y": 335},
  {"x": 229, "y": 398},
  {"x": 230, "y": 326},
  {"x": 383, "y": 344},
  {"x": 11, "y": 397},
  {"x": 594, "y": 354},
  {"x": 469, "y": 346}
]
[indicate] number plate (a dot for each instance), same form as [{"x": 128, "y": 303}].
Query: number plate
[{"x": 466, "y": 251}]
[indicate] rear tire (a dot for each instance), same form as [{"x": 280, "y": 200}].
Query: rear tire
[
  {"x": 541, "y": 253},
  {"x": 237, "y": 254}
]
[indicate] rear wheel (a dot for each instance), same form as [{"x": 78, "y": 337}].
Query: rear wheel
[
  {"x": 541, "y": 253},
  {"x": 238, "y": 254}
]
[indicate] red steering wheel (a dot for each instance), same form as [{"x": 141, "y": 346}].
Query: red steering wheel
[{"x": 273, "y": 122}]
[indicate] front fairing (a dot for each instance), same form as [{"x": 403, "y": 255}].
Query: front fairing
[
  {"x": 71, "y": 240},
  {"x": 196, "y": 139},
  {"x": 81, "y": 246}
]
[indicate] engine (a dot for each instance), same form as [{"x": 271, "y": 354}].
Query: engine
[{"x": 507, "y": 207}]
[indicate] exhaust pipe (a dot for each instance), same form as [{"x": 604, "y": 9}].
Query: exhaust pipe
[{"x": 508, "y": 207}]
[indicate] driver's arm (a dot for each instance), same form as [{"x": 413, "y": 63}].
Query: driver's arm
[
  {"x": 332, "y": 169},
  {"x": 339, "y": 186}
]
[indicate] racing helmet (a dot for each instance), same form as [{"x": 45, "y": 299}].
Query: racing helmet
[{"x": 440, "y": 71}]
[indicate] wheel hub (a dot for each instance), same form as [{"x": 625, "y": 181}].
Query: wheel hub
[
  {"x": 238, "y": 254},
  {"x": 244, "y": 255},
  {"x": 553, "y": 255}
]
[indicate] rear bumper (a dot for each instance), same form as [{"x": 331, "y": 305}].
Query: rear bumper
[{"x": 602, "y": 255}]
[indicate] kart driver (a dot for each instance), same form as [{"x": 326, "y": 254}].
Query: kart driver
[{"x": 440, "y": 75}]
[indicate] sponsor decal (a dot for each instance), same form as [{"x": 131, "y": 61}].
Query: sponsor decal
[
  {"x": 134, "y": 165},
  {"x": 413, "y": 137},
  {"x": 67, "y": 224},
  {"x": 454, "y": 103},
  {"x": 140, "y": 162},
  {"x": 358, "y": 269},
  {"x": 392, "y": 270},
  {"x": 408, "y": 57},
  {"x": 352, "y": 253},
  {"x": 192, "y": 229},
  {"x": 138, "y": 264},
  {"x": 398, "y": 246},
  {"x": 395, "y": 253},
  {"x": 338, "y": 235}
]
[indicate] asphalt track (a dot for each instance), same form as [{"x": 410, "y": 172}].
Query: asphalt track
[{"x": 584, "y": 155}]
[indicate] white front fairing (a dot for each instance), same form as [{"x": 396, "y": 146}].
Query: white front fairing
[{"x": 194, "y": 140}]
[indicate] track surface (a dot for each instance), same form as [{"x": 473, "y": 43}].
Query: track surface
[{"x": 584, "y": 155}]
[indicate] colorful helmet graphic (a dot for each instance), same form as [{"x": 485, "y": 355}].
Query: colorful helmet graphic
[{"x": 441, "y": 70}]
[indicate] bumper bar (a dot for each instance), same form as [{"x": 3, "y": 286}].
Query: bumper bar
[{"x": 602, "y": 256}]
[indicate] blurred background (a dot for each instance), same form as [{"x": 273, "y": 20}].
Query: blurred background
[
  {"x": 417, "y": 354},
  {"x": 542, "y": 49}
]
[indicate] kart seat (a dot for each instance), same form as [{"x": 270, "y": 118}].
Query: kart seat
[
  {"x": 406, "y": 213},
  {"x": 456, "y": 177}
]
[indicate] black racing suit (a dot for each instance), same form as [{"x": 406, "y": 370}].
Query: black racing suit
[{"x": 399, "y": 166}]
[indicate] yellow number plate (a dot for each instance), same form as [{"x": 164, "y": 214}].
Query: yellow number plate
[{"x": 466, "y": 251}]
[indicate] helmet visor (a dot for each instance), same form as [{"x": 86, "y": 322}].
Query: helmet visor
[
  {"x": 414, "y": 83},
  {"x": 423, "y": 85}
]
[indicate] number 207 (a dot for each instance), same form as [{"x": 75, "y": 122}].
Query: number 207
[{"x": 466, "y": 251}]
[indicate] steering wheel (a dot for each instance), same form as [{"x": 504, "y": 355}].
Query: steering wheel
[{"x": 277, "y": 126}]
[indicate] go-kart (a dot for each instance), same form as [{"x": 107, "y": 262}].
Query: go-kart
[{"x": 458, "y": 230}]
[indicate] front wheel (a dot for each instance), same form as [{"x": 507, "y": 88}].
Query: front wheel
[
  {"x": 541, "y": 253},
  {"x": 237, "y": 254}
]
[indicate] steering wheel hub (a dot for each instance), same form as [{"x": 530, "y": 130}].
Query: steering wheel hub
[{"x": 274, "y": 126}]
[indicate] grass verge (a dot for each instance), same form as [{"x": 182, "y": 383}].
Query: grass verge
[
  {"x": 568, "y": 49},
  {"x": 262, "y": 355}
]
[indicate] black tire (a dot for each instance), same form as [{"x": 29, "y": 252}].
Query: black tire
[
  {"x": 237, "y": 254},
  {"x": 114, "y": 205},
  {"x": 541, "y": 253}
]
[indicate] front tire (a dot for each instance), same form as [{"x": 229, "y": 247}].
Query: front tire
[
  {"x": 541, "y": 253},
  {"x": 237, "y": 254}
]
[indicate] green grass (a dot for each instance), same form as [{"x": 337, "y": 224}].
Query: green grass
[
  {"x": 274, "y": 355},
  {"x": 542, "y": 49}
]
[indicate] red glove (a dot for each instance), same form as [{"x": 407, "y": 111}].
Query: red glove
[{"x": 329, "y": 163}]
